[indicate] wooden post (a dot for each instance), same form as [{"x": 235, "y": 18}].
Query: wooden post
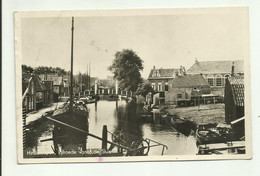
[
  {"x": 116, "y": 87},
  {"x": 104, "y": 137},
  {"x": 204, "y": 100},
  {"x": 213, "y": 100},
  {"x": 24, "y": 128},
  {"x": 96, "y": 87}
]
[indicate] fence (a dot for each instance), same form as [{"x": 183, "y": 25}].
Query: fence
[{"x": 195, "y": 101}]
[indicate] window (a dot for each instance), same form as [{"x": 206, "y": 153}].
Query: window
[
  {"x": 153, "y": 86},
  {"x": 218, "y": 82},
  {"x": 159, "y": 87},
  {"x": 179, "y": 96},
  {"x": 166, "y": 87},
  {"x": 210, "y": 81},
  {"x": 156, "y": 73}
]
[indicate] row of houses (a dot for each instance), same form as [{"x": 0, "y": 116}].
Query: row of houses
[
  {"x": 205, "y": 78},
  {"x": 44, "y": 89}
]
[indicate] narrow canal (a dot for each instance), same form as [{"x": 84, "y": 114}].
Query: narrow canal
[
  {"x": 128, "y": 117},
  {"x": 118, "y": 116}
]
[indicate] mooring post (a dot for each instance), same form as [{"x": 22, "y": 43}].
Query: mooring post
[
  {"x": 24, "y": 128},
  {"x": 104, "y": 137}
]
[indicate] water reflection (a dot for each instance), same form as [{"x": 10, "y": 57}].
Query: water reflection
[
  {"x": 118, "y": 116},
  {"x": 130, "y": 118}
]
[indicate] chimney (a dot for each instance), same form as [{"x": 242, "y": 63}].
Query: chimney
[
  {"x": 233, "y": 69},
  {"x": 184, "y": 70},
  {"x": 196, "y": 61},
  {"x": 154, "y": 67},
  {"x": 181, "y": 71}
]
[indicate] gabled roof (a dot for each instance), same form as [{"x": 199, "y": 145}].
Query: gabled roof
[
  {"x": 189, "y": 81},
  {"x": 211, "y": 67},
  {"x": 39, "y": 86},
  {"x": 237, "y": 88},
  {"x": 163, "y": 73},
  {"x": 57, "y": 80}
]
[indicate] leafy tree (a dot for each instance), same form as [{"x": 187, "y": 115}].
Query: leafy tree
[
  {"x": 50, "y": 70},
  {"x": 144, "y": 89},
  {"x": 27, "y": 69},
  {"x": 126, "y": 68}
]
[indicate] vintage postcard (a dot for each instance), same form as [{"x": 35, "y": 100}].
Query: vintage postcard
[{"x": 133, "y": 85}]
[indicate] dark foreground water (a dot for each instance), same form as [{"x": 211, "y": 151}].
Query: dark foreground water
[{"x": 118, "y": 116}]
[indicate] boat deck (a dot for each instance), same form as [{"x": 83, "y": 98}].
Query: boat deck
[{"x": 234, "y": 147}]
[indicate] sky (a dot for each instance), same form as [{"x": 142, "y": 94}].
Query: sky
[{"x": 163, "y": 41}]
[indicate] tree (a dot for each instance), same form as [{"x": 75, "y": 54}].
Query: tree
[
  {"x": 126, "y": 68},
  {"x": 144, "y": 89},
  {"x": 27, "y": 69},
  {"x": 50, "y": 70}
]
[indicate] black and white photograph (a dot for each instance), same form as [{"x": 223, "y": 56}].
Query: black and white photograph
[{"x": 133, "y": 85}]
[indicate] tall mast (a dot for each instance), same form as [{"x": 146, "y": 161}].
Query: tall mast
[
  {"x": 71, "y": 66},
  {"x": 89, "y": 76}
]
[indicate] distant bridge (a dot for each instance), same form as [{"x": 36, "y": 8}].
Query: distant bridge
[{"x": 108, "y": 91}]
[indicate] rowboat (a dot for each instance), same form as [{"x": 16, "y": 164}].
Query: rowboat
[
  {"x": 213, "y": 133},
  {"x": 182, "y": 125}
]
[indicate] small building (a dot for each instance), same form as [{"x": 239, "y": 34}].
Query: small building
[
  {"x": 48, "y": 97},
  {"x": 215, "y": 72},
  {"x": 57, "y": 84},
  {"x": 35, "y": 94},
  {"x": 185, "y": 88},
  {"x": 235, "y": 105},
  {"x": 58, "y": 87},
  {"x": 161, "y": 79},
  {"x": 234, "y": 98}
]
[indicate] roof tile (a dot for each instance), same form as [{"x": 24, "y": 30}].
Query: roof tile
[
  {"x": 211, "y": 67},
  {"x": 189, "y": 81},
  {"x": 237, "y": 84}
]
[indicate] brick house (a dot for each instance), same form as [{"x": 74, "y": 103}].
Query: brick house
[
  {"x": 161, "y": 79},
  {"x": 215, "y": 72},
  {"x": 185, "y": 88}
]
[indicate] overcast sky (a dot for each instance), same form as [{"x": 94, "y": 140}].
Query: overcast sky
[{"x": 167, "y": 41}]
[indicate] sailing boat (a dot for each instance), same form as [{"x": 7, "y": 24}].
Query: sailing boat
[
  {"x": 73, "y": 114},
  {"x": 71, "y": 109}
]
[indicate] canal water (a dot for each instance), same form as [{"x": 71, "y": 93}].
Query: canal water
[{"x": 128, "y": 118}]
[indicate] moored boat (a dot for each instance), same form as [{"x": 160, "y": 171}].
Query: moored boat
[
  {"x": 182, "y": 125},
  {"x": 213, "y": 133},
  {"x": 72, "y": 108}
]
